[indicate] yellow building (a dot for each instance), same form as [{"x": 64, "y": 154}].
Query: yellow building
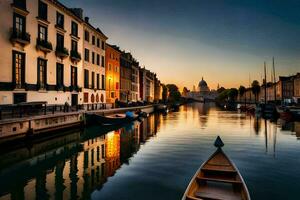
[{"x": 112, "y": 72}]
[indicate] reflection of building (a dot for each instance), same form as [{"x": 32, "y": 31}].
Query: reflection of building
[
  {"x": 71, "y": 167},
  {"x": 112, "y": 143},
  {"x": 203, "y": 92}
]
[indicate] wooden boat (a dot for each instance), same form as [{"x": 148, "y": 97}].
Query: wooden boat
[
  {"x": 217, "y": 179},
  {"x": 110, "y": 120}
]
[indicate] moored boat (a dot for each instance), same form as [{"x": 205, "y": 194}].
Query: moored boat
[
  {"x": 217, "y": 178},
  {"x": 110, "y": 120}
]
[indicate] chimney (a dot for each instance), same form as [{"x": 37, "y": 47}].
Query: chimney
[
  {"x": 86, "y": 19},
  {"x": 78, "y": 12}
]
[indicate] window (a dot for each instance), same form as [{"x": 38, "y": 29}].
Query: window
[
  {"x": 86, "y": 78},
  {"x": 103, "y": 82},
  {"x": 93, "y": 57},
  {"x": 98, "y": 42},
  {"x": 87, "y": 36},
  {"x": 117, "y": 85},
  {"x": 59, "y": 74},
  {"x": 43, "y": 10},
  {"x": 109, "y": 67},
  {"x": 93, "y": 40},
  {"x": 87, "y": 55},
  {"x": 42, "y": 72},
  {"x": 102, "y": 61},
  {"x": 19, "y": 24},
  {"x": 85, "y": 100},
  {"x": 98, "y": 82},
  {"x": 19, "y": 69},
  {"x": 73, "y": 76},
  {"x": 103, "y": 45},
  {"x": 60, "y": 20},
  {"x": 74, "y": 46},
  {"x": 98, "y": 59},
  {"x": 74, "y": 28},
  {"x": 20, "y": 4},
  {"x": 43, "y": 33},
  {"x": 112, "y": 94},
  {"x": 93, "y": 80},
  {"x": 59, "y": 41}
]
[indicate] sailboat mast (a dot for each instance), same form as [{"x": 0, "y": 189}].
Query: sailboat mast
[
  {"x": 265, "y": 69},
  {"x": 274, "y": 80}
]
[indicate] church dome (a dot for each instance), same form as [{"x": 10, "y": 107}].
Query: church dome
[{"x": 202, "y": 83}]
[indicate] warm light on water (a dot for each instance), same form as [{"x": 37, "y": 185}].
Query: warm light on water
[{"x": 155, "y": 159}]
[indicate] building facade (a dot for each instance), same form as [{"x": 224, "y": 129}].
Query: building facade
[
  {"x": 135, "y": 83},
  {"x": 93, "y": 64},
  {"x": 285, "y": 89},
  {"x": 112, "y": 72},
  {"x": 41, "y": 61},
  {"x": 296, "y": 96},
  {"x": 125, "y": 77}
]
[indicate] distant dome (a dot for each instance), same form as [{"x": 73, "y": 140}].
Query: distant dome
[{"x": 202, "y": 83}]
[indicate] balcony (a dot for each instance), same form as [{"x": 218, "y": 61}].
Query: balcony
[
  {"x": 61, "y": 52},
  {"x": 44, "y": 45},
  {"x": 20, "y": 37},
  {"x": 75, "y": 56}
]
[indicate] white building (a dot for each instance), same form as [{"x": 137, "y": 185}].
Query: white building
[
  {"x": 40, "y": 59},
  {"x": 93, "y": 64},
  {"x": 203, "y": 92}
]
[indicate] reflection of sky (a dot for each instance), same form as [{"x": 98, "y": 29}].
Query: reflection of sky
[
  {"x": 165, "y": 164},
  {"x": 183, "y": 41}
]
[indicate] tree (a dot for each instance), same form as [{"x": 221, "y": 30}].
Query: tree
[
  {"x": 164, "y": 93},
  {"x": 220, "y": 90},
  {"x": 255, "y": 89},
  {"x": 174, "y": 94},
  {"x": 232, "y": 94},
  {"x": 242, "y": 91},
  {"x": 223, "y": 96}
]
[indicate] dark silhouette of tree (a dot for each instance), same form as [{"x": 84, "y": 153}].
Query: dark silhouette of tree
[
  {"x": 174, "y": 94},
  {"x": 164, "y": 93},
  {"x": 221, "y": 89},
  {"x": 255, "y": 89},
  {"x": 242, "y": 91},
  {"x": 232, "y": 94}
]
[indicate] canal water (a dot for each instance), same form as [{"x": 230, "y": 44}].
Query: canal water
[{"x": 155, "y": 158}]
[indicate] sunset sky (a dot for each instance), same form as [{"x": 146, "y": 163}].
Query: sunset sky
[{"x": 222, "y": 40}]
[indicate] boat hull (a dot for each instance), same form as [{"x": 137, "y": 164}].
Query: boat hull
[
  {"x": 217, "y": 178},
  {"x": 94, "y": 119}
]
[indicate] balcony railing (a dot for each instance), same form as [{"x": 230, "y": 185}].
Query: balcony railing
[
  {"x": 61, "y": 52},
  {"x": 44, "y": 45},
  {"x": 75, "y": 55},
  {"x": 21, "y": 37}
]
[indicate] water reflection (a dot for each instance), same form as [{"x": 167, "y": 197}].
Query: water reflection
[
  {"x": 73, "y": 166},
  {"x": 110, "y": 164}
]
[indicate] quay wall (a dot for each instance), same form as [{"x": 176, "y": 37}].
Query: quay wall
[{"x": 17, "y": 128}]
